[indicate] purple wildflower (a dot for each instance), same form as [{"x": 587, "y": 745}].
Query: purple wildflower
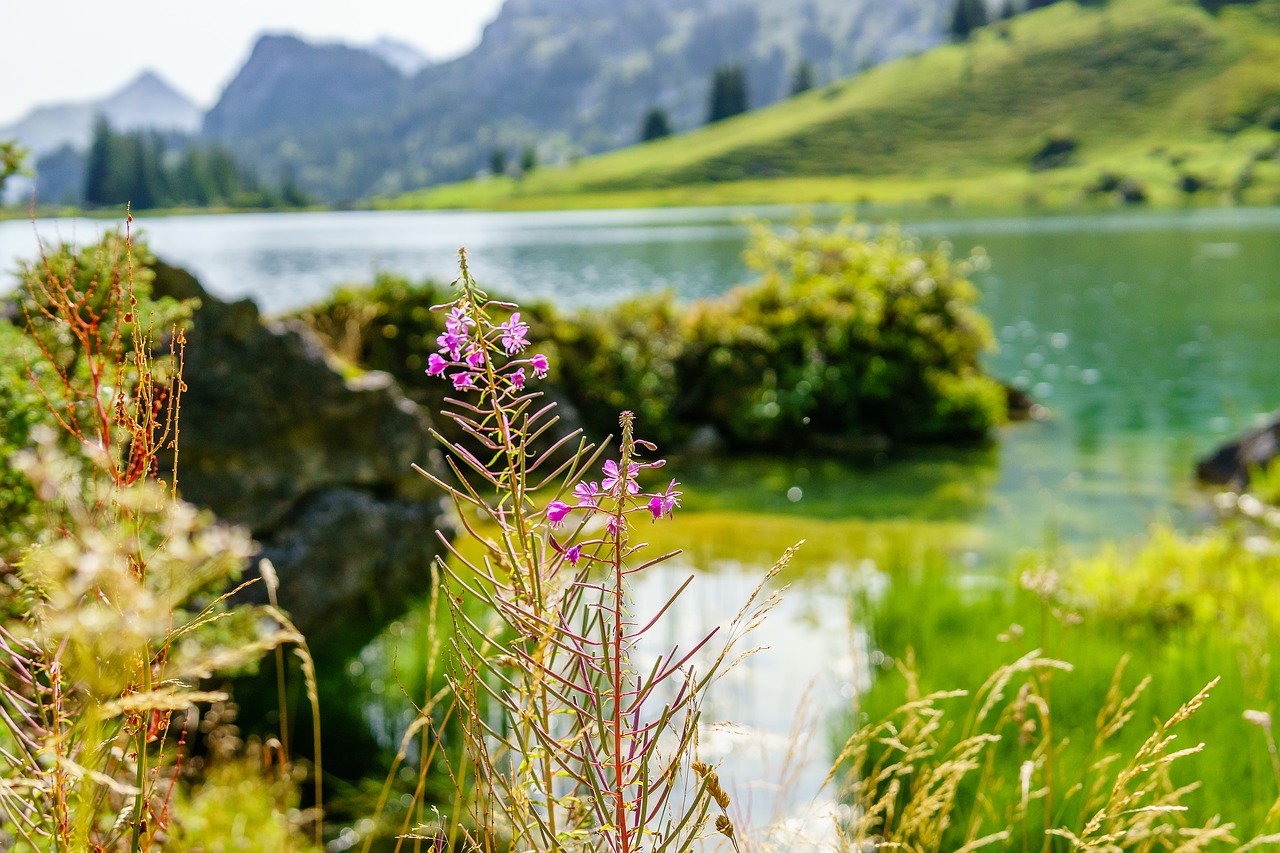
[
  {"x": 573, "y": 553},
  {"x": 665, "y": 503},
  {"x": 612, "y": 474},
  {"x": 475, "y": 359},
  {"x": 556, "y": 511},
  {"x": 463, "y": 381},
  {"x": 450, "y": 342},
  {"x": 539, "y": 364},
  {"x": 516, "y": 378},
  {"x": 655, "y": 506},
  {"x": 586, "y": 493},
  {"x": 513, "y": 334},
  {"x": 436, "y": 365},
  {"x": 458, "y": 321},
  {"x": 611, "y": 525}
]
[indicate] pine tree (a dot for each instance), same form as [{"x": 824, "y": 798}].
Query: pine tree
[
  {"x": 190, "y": 179},
  {"x": 98, "y": 165},
  {"x": 224, "y": 177},
  {"x": 498, "y": 161},
  {"x": 802, "y": 77},
  {"x": 656, "y": 125},
  {"x": 728, "y": 93},
  {"x": 968, "y": 16},
  {"x": 291, "y": 192}
]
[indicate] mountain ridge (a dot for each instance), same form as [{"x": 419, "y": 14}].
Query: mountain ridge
[
  {"x": 148, "y": 102},
  {"x": 567, "y": 77}
]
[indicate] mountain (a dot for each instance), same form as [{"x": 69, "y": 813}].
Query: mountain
[
  {"x": 315, "y": 111},
  {"x": 571, "y": 77},
  {"x": 292, "y": 86},
  {"x": 148, "y": 102},
  {"x": 1129, "y": 101},
  {"x": 404, "y": 57}
]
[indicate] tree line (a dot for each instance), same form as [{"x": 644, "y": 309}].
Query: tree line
[{"x": 147, "y": 170}]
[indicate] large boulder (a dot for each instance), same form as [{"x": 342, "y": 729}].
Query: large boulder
[
  {"x": 1231, "y": 464},
  {"x": 317, "y": 464}
]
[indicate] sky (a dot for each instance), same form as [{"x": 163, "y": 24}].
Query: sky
[{"x": 58, "y": 51}]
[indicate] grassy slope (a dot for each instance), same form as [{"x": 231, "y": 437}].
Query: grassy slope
[{"x": 1152, "y": 89}]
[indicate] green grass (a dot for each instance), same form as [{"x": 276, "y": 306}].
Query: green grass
[
  {"x": 1149, "y": 89},
  {"x": 958, "y": 632}
]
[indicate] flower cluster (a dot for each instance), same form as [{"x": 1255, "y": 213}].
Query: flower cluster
[
  {"x": 472, "y": 346},
  {"x": 622, "y": 490}
]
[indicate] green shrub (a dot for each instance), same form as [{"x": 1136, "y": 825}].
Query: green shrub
[
  {"x": 845, "y": 340},
  {"x": 389, "y": 325},
  {"x": 1214, "y": 580},
  {"x": 844, "y": 337},
  {"x": 20, "y": 409},
  {"x": 627, "y": 358}
]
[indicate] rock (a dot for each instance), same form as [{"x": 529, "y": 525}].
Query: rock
[
  {"x": 1231, "y": 464},
  {"x": 317, "y": 465},
  {"x": 355, "y": 558}
]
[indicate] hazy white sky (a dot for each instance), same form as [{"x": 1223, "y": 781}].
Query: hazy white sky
[{"x": 76, "y": 50}]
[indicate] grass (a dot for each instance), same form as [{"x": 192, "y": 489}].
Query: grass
[
  {"x": 1151, "y": 89},
  {"x": 954, "y": 634}
]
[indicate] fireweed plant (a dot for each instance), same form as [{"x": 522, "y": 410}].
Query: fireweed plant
[{"x": 577, "y": 735}]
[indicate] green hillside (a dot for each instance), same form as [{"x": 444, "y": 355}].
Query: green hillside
[{"x": 1145, "y": 100}]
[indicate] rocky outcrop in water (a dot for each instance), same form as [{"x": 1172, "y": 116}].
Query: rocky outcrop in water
[
  {"x": 316, "y": 464},
  {"x": 1230, "y": 465}
]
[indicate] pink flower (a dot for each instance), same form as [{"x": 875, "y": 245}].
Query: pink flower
[
  {"x": 665, "y": 504},
  {"x": 463, "y": 381},
  {"x": 573, "y": 554},
  {"x": 556, "y": 511},
  {"x": 611, "y": 525},
  {"x": 539, "y": 364},
  {"x": 450, "y": 342},
  {"x": 475, "y": 359},
  {"x": 586, "y": 493},
  {"x": 513, "y": 334},
  {"x": 612, "y": 475},
  {"x": 458, "y": 321},
  {"x": 516, "y": 378},
  {"x": 436, "y": 365}
]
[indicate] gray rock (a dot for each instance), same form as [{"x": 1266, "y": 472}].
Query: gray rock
[
  {"x": 1231, "y": 464},
  {"x": 316, "y": 464},
  {"x": 355, "y": 559}
]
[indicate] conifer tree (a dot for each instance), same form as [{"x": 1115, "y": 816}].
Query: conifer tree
[
  {"x": 498, "y": 161},
  {"x": 728, "y": 93},
  {"x": 656, "y": 125},
  {"x": 97, "y": 168},
  {"x": 802, "y": 77},
  {"x": 967, "y": 16}
]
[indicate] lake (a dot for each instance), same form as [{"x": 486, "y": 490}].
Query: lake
[{"x": 1148, "y": 337}]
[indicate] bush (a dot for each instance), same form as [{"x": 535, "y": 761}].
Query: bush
[
  {"x": 628, "y": 358},
  {"x": 846, "y": 340},
  {"x": 20, "y": 409}
]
